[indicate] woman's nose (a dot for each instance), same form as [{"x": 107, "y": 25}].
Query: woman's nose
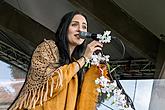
[{"x": 80, "y": 28}]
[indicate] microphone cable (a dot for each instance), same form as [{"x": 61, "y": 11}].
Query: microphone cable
[
  {"x": 122, "y": 44},
  {"x": 129, "y": 100}
]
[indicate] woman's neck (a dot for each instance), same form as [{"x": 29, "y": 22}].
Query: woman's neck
[{"x": 71, "y": 49}]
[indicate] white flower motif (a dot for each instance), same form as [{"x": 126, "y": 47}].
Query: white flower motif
[
  {"x": 106, "y": 57},
  {"x": 104, "y": 81},
  {"x": 105, "y": 38},
  {"x": 97, "y": 81},
  {"x": 122, "y": 99},
  {"x": 112, "y": 86},
  {"x": 108, "y": 94},
  {"x": 117, "y": 92},
  {"x": 98, "y": 90},
  {"x": 107, "y": 33},
  {"x": 96, "y": 59},
  {"x": 109, "y": 88},
  {"x": 103, "y": 90},
  {"x": 99, "y": 36},
  {"x": 105, "y": 85}
]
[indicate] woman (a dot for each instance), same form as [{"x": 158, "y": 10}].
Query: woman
[{"x": 54, "y": 80}]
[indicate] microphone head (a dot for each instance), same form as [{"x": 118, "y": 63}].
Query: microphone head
[{"x": 85, "y": 35}]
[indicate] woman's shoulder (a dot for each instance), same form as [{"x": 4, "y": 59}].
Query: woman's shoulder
[
  {"x": 47, "y": 49},
  {"x": 46, "y": 46},
  {"x": 47, "y": 43},
  {"x": 50, "y": 41}
]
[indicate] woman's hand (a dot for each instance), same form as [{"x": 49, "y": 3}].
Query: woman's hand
[{"x": 92, "y": 47}]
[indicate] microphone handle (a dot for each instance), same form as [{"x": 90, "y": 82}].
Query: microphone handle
[{"x": 94, "y": 37}]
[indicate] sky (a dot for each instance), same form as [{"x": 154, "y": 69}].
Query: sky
[{"x": 5, "y": 72}]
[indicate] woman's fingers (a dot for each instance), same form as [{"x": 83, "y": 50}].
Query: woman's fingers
[
  {"x": 95, "y": 43},
  {"x": 92, "y": 47},
  {"x": 97, "y": 48}
]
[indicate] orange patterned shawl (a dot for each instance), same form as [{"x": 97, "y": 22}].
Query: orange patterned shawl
[{"x": 50, "y": 88}]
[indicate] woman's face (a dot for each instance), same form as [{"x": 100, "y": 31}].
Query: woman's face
[{"x": 77, "y": 24}]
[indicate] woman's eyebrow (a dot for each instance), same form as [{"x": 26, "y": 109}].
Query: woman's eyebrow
[
  {"x": 78, "y": 22},
  {"x": 84, "y": 23}
]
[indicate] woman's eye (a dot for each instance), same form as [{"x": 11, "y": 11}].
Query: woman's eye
[
  {"x": 84, "y": 27},
  {"x": 74, "y": 24}
]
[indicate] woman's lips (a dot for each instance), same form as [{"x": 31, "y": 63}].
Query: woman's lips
[{"x": 78, "y": 36}]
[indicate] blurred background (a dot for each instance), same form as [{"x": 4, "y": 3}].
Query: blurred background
[{"x": 139, "y": 25}]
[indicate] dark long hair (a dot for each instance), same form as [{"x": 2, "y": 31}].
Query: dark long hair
[{"x": 61, "y": 39}]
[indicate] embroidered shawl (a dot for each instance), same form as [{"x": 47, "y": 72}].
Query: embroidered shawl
[
  {"x": 43, "y": 67},
  {"x": 49, "y": 87}
]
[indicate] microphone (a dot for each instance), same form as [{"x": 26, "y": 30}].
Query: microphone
[{"x": 85, "y": 35}]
